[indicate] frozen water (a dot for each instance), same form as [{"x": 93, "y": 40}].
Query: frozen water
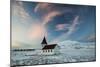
[{"x": 69, "y": 52}]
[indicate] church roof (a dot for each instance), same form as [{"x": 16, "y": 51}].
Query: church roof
[
  {"x": 52, "y": 46},
  {"x": 44, "y": 41}
]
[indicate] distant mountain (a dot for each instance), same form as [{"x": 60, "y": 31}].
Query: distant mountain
[
  {"x": 23, "y": 49},
  {"x": 76, "y": 45}
]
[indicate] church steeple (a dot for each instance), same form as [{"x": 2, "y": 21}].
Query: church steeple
[{"x": 44, "y": 42}]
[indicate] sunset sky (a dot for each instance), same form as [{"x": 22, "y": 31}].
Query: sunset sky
[{"x": 31, "y": 21}]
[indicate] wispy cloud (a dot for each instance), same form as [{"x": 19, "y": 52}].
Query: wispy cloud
[
  {"x": 50, "y": 16},
  {"x": 62, "y": 27},
  {"x": 71, "y": 30},
  {"x": 50, "y": 11},
  {"x": 19, "y": 11},
  {"x": 42, "y": 6},
  {"x": 73, "y": 26}
]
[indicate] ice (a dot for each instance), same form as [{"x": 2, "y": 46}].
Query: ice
[{"x": 70, "y": 51}]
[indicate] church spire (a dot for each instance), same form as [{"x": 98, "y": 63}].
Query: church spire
[{"x": 44, "y": 41}]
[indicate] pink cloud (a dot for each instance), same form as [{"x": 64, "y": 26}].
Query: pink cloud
[
  {"x": 42, "y": 6},
  {"x": 37, "y": 31},
  {"x": 49, "y": 14},
  {"x": 60, "y": 27},
  {"x": 50, "y": 11},
  {"x": 48, "y": 17}
]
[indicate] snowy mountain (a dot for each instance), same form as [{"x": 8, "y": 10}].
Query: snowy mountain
[{"x": 76, "y": 45}]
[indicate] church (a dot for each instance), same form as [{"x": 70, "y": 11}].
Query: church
[{"x": 49, "y": 49}]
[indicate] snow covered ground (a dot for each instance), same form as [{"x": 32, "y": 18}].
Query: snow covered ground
[{"x": 70, "y": 51}]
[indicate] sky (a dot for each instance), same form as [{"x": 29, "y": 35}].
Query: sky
[{"x": 31, "y": 21}]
